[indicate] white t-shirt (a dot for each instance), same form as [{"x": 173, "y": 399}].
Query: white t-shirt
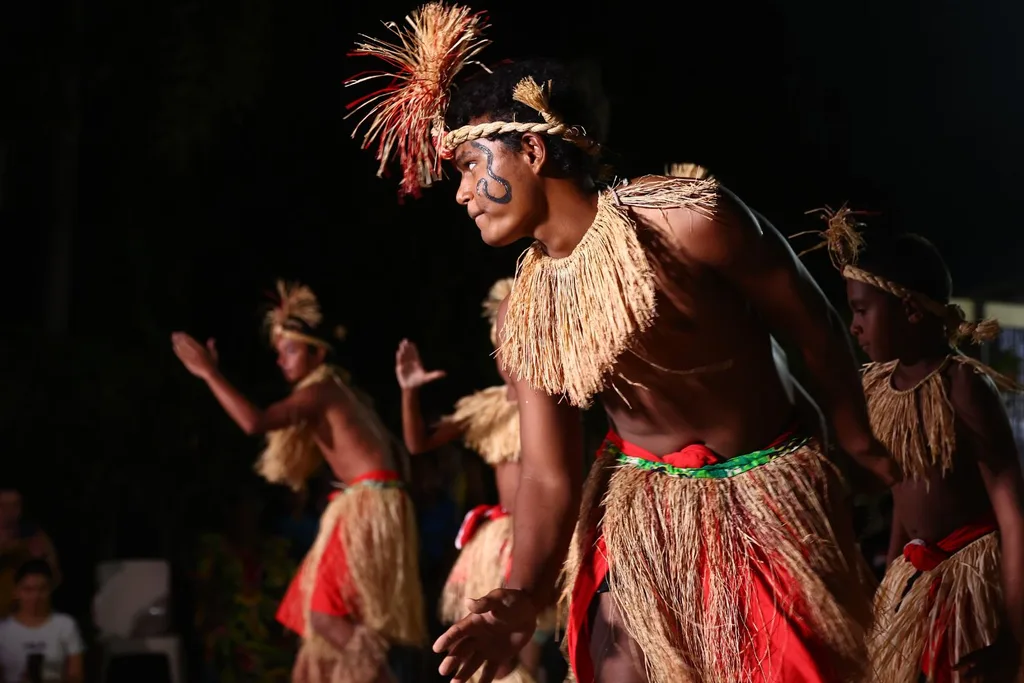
[{"x": 56, "y": 640}]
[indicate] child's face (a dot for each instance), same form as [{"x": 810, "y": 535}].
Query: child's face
[{"x": 879, "y": 322}]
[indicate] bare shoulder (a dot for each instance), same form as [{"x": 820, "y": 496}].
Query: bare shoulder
[
  {"x": 713, "y": 236},
  {"x": 981, "y": 414},
  {"x": 322, "y": 394},
  {"x": 972, "y": 393}
]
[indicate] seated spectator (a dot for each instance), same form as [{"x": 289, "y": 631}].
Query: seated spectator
[
  {"x": 37, "y": 644},
  {"x": 20, "y": 541}
]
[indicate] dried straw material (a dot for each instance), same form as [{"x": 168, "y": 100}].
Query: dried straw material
[
  {"x": 568, "y": 320},
  {"x": 377, "y": 529},
  {"x": 404, "y": 116},
  {"x": 841, "y": 236},
  {"x": 964, "y": 592},
  {"x": 498, "y": 293},
  {"x": 297, "y": 301},
  {"x": 535, "y": 96},
  {"x": 292, "y": 456},
  {"x": 685, "y": 556},
  {"x": 917, "y": 425},
  {"x": 296, "y": 304},
  {"x": 364, "y": 659},
  {"x": 479, "y": 569},
  {"x": 491, "y": 424},
  {"x": 687, "y": 170}
]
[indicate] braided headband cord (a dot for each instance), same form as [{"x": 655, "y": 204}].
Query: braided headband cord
[
  {"x": 535, "y": 96},
  {"x": 952, "y": 316},
  {"x": 572, "y": 134}
]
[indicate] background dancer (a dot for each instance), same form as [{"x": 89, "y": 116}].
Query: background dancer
[
  {"x": 951, "y": 605},
  {"x": 488, "y": 423},
  {"x": 358, "y": 590}
]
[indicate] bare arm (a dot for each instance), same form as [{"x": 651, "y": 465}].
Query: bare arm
[
  {"x": 550, "y": 485},
  {"x": 411, "y": 375},
  {"x": 980, "y": 409},
  {"x": 898, "y": 537},
  {"x": 303, "y": 405},
  {"x": 753, "y": 257},
  {"x": 547, "y": 505},
  {"x": 201, "y": 361},
  {"x": 418, "y": 439}
]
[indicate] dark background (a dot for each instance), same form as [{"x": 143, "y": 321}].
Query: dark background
[{"x": 162, "y": 162}]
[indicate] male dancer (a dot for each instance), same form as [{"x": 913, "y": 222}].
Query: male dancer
[
  {"x": 358, "y": 590},
  {"x": 951, "y": 605},
  {"x": 712, "y": 544},
  {"x": 488, "y": 423}
]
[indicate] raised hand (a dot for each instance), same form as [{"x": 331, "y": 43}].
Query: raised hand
[
  {"x": 490, "y": 638},
  {"x": 409, "y": 368},
  {"x": 200, "y": 360}
]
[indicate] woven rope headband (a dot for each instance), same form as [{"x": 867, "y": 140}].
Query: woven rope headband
[
  {"x": 405, "y": 118},
  {"x": 844, "y": 242},
  {"x": 528, "y": 92}
]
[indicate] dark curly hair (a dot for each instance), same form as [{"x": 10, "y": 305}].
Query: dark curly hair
[
  {"x": 576, "y": 96},
  {"x": 911, "y": 261}
]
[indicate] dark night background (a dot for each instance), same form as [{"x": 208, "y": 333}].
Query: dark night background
[{"x": 191, "y": 152}]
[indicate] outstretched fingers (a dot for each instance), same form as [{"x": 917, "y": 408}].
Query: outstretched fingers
[
  {"x": 434, "y": 375},
  {"x": 457, "y": 632}
]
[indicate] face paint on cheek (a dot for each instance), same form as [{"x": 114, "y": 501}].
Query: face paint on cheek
[{"x": 482, "y": 185}]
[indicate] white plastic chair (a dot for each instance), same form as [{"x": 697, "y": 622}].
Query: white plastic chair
[{"x": 130, "y": 613}]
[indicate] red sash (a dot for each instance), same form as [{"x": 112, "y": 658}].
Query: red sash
[{"x": 476, "y": 518}]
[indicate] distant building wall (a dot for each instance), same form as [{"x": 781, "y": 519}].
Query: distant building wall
[{"x": 1009, "y": 344}]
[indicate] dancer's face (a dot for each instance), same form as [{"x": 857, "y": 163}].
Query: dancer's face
[
  {"x": 501, "y": 187},
  {"x": 297, "y": 358},
  {"x": 879, "y": 322}
]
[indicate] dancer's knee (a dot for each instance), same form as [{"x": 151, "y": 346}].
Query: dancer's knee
[{"x": 616, "y": 657}]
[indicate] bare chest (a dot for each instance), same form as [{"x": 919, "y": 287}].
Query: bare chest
[{"x": 703, "y": 372}]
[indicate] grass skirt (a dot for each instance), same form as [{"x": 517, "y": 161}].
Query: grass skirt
[
  {"x": 958, "y": 602},
  {"x": 480, "y": 568},
  {"x": 374, "y": 525},
  {"x": 731, "y": 573}
]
